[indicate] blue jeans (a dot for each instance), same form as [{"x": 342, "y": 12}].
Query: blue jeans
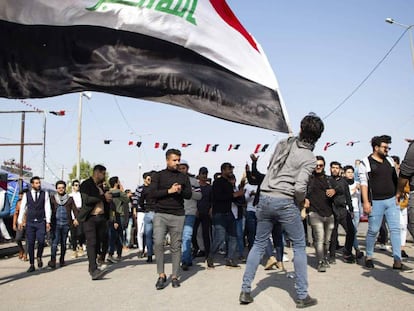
[
  {"x": 355, "y": 220},
  {"x": 224, "y": 223},
  {"x": 240, "y": 236},
  {"x": 148, "y": 228},
  {"x": 128, "y": 231},
  {"x": 285, "y": 212},
  {"x": 187, "y": 239},
  {"x": 60, "y": 235},
  {"x": 116, "y": 240},
  {"x": 251, "y": 223},
  {"x": 391, "y": 211}
]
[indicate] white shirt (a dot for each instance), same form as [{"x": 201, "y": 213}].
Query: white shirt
[
  {"x": 2, "y": 197},
  {"x": 77, "y": 198},
  {"x": 23, "y": 206},
  {"x": 250, "y": 198},
  {"x": 355, "y": 196}
]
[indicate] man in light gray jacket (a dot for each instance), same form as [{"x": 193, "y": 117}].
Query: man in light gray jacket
[
  {"x": 190, "y": 207},
  {"x": 283, "y": 190}
]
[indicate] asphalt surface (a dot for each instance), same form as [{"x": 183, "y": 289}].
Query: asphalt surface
[{"x": 130, "y": 285}]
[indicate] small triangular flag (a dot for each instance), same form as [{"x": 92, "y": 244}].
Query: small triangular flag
[
  {"x": 139, "y": 143},
  {"x": 264, "y": 148},
  {"x": 107, "y": 141},
  {"x": 164, "y": 146}
]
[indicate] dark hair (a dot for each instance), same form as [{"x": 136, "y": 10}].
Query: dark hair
[
  {"x": 34, "y": 178},
  {"x": 320, "y": 158},
  {"x": 376, "y": 141},
  {"x": 75, "y": 181},
  {"x": 396, "y": 159},
  {"x": 311, "y": 128},
  {"x": 99, "y": 168},
  {"x": 60, "y": 182},
  {"x": 349, "y": 167},
  {"x": 172, "y": 151},
  {"x": 113, "y": 180},
  {"x": 150, "y": 173},
  {"x": 335, "y": 163}
]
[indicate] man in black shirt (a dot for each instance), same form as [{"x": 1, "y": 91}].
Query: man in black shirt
[
  {"x": 319, "y": 199},
  {"x": 223, "y": 219},
  {"x": 169, "y": 188},
  {"x": 378, "y": 189},
  {"x": 342, "y": 208}
]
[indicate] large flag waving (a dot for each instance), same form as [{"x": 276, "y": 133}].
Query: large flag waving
[{"x": 190, "y": 53}]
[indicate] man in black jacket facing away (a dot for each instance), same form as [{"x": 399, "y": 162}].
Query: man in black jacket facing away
[{"x": 169, "y": 188}]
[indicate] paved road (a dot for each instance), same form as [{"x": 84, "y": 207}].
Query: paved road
[{"x": 129, "y": 285}]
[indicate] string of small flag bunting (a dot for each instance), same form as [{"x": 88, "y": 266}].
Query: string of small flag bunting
[
  {"x": 56, "y": 113},
  {"x": 329, "y": 144},
  {"x": 208, "y": 147}
]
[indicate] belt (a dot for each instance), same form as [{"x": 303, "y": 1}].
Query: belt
[
  {"x": 37, "y": 220},
  {"x": 97, "y": 215}
]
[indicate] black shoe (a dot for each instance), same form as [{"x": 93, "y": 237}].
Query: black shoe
[
  {"x": 97, "y": 274},
  {"x": 31, "y": 269},
  {"x": 52, "y": 264},
  {"x": 231, "y": 264},
  {"x": 338, "y": 247},
  {"x": 404, "y": 255},
  {"x": 331, "y": 261},
  {"x": 210, "y": 263},
  {"x": 349, "y": 258},
  {"x": 402, "y": 268},
  {"x": 200, "y": 254},
  {"x": 39, "y": 263},
  {"x": 149, "y": 259},
  {"x": 369, "y": 264},
  {"x": 62, "y": 263},
  {"x": 161, "y": 282},
  {"x": 359, "y": 254},
  {"x": 245, "y": 298},
  {"x": 306, "y": 302},
  {"x": 175, "y": 283},
  {"x": 184, "y": 267}
]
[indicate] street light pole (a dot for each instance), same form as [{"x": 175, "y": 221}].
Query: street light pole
[
  {"x": 409, "y": 29},
  {"x": 88, "y": 95}
]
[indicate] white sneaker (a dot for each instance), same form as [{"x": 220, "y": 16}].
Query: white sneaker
[
  {"x": 285, "y": 258},
  {"x": 384, "y": 247}
]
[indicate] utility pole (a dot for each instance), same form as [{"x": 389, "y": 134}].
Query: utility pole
[{"x": 22, "y": 142}]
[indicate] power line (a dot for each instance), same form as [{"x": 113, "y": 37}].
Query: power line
[
  {"x": 123, "y": 116},
  {"x": 367, "y": 77}
]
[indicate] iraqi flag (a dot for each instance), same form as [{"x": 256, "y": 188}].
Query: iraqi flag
[{"x": 189, "y": 53}]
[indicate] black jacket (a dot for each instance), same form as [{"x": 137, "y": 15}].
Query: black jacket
[
  {"x": 90, "y": 197},
  {"x": 165, "y": 202}
]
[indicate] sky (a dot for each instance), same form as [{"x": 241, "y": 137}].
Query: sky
[{"x": 320, "y": 52}]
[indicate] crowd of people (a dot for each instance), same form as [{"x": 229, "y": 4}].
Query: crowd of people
[{"x": 249, "y": 221}]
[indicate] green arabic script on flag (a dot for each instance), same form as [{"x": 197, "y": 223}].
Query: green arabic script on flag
[{"x": 181, "y": 8}]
